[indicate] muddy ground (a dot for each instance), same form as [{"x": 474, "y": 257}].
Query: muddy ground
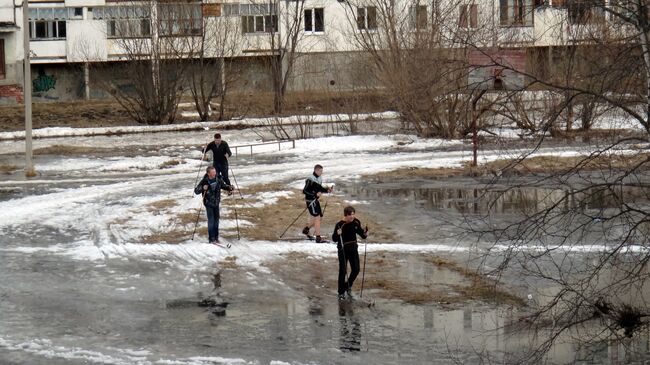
[{"x": 107, "y": 113}]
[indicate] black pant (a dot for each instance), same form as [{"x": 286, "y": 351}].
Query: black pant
[
  {"x": 351, "y": 255},
  {"x": 222, "y": 170}
]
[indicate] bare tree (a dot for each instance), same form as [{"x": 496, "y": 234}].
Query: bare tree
[
  {"x": 285, "y": 36},
  {"x": 212, "y": 64},
  {"x": 582, "y": 246},
  {"x": 420, "y": 54},
  {"x": 150, "y": 38}
]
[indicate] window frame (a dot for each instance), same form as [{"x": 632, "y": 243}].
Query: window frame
[
  {"x": 259, "y": 24},
  {"x": 313, "y": 19},
  {"x": 522, "y": 13},
  {"x": 52, "y": 30},
  {"x": 364, "y": 21},
  {"x": 3, "y": 62},
  {"x": 468, "y": 16}
]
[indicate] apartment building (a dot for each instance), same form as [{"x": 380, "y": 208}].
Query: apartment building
[{"x": 68, "y": 37}]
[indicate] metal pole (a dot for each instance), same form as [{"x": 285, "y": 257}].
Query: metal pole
[
  {"x": 87, "y": 81},
  {"x": 27, "y": 91}
]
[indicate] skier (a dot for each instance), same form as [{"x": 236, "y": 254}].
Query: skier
[
  {"x": 313, "y": 190},
  {"x": 210, "y": 186},
  {"x": 345, "y": 236},
  {"x": 220, "y": 153}
]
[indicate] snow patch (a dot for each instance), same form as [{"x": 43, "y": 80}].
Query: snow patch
[{"x": 50, "y": 132}]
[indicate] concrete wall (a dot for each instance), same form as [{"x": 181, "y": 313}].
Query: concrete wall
[
  {"x": 339, "y": 71},
  {"x": 57, "y": 82},
  {"x": 12, "y": 69}
]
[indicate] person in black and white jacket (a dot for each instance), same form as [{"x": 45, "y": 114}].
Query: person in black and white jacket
[{"x": 313, "y": 190}]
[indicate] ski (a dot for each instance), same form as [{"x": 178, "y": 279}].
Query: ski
[
  {"x": 227, "y": 245},
  {"x": 310, "y": 240}
]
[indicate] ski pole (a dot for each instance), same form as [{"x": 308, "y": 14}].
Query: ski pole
[
  {"x": 197, "y": 215},
  {"x": 294, "y": 221},
  {"x": 345, "y": 262},
  {"x": 235, "y": 180},
  {"x": 236, "y": 220},
  {"x": 198, "y": 173},
  {"x": 363, "y": 274}
]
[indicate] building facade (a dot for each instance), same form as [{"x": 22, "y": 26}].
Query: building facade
[{"x": 326, "y": 38}]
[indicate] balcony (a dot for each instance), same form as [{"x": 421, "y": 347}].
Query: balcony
[{"x": 7, "y": 19}]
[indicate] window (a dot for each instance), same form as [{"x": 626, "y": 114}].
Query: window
[
  {"x": 230, "y": 9},
  {"x": 418, "y": 17},
  {"x": 3, "y": 72},
  {"x": 180, "y": 19},
  {"x": 48, "y": 23},
  {"x": 259, "y": 23},
  {"x": 468, "y": 16},
  {"x": 367, "y": 18},
  {"x": 78, "y": 12},
  {"x": 516, "y": 12},
  {"x": 125, "y": 21},
  {"x": 47, "y": 29},
  {"x": 585, "y": 11},
  {"x": 248, "y": 9},
  {"x": 314, "y": 20}
]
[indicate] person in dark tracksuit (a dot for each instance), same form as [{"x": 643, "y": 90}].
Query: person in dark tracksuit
[
  {"x": 220, "y": 153},
  {"x": 345, "y": 236},
  {"x": 210, "y": 186},
  {"x": 313, "y": 190}
]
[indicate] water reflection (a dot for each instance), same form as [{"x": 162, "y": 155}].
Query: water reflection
[
  {"x": 350, "y": 328},
  {"x": 470, "y": 200}
]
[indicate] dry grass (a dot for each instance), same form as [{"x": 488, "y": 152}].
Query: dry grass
[
  {"x": 481, "y": 288},
  {"x": 229, "y": 262},
  {"x": 534, "y": 165},
  {"x": 170, "y": 163},
  {"x": 161, "y": 205},
  {"x": 285, "y": 210},
  {"x": 8, "y": 169},
  {"x": 103, "y": 113},
  {"x": 62, "y": 149},
  {"x": 107, "y": 112},
  {"x": 186, "y": 218},
  {"x": 296, "y": 255},
  {"x": 173, "y": 236},
  {"x": 382, "y": 279}
]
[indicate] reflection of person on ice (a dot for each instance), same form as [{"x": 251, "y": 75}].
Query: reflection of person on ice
[
  {"x": 313, "y": 190},
  {"x": 345, "y": 236},
  {"x": 210, "y": 186}
]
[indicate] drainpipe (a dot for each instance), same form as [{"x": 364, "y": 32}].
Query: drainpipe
[
  {"x": 27, "y": 90},
  {"x": 87, "y": 81}
]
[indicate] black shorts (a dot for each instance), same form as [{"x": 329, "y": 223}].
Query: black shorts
[{"x": 314, "y": 208}]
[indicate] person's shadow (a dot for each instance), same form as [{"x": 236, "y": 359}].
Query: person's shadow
[{"x": 350, "y": 328}]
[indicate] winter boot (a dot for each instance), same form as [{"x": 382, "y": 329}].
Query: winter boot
[
  {"x": 320, "y": 240},
  {"x": 349, "y": 292},
  {"x": 305, "y": 231}
]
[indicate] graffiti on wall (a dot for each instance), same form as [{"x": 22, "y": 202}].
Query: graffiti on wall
[{"x": 43, "y": 82}]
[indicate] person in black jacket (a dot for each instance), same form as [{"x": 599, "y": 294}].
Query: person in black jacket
[
  {"x": 220, "y": 153},
  {"x": 210, "y": 186},
  {"x": 345, "y": 236},
  {"x": 313, "y": 190}
]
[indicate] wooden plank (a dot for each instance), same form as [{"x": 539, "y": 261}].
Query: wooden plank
[{"x": 211, "y": 10}]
